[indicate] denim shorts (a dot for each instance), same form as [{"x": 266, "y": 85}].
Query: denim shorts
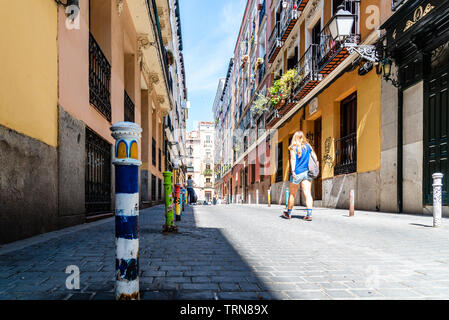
[{"x": 300, "y": 177}]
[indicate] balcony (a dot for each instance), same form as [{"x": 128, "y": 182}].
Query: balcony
[
  {"x": 129, "y": 108},
  {"x": 262, "y": 12},
  {"x": 346, "y": 154},
  {"x": 274, "y": 42},
  {"x": 289, "y": 16},
  {"x": 332, "y": 52},
  {"x": 207, "y": 172},
  {"x": 99, "y": 79},
  {"x": 272, "y": 117},
  {"x": 302, "y": 4},
  {"x": 208, "y": 185},
  {"x": 307, "y": 73}
]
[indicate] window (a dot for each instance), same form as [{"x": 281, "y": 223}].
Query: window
[
  {"x": 160, "y": 160},
  {"x": 98, "y": 174},
  {"x": 316, "y": 33},
  {"x": 346, "y": 146},
  {"x": 153, "y": 187},
  {"x": 153, "y": 152}
]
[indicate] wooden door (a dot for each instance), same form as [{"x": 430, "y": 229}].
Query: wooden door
[{"x": 436, "y": 128}]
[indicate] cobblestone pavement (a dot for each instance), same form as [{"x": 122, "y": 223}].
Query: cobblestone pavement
[{"x": 242, "y": 252}]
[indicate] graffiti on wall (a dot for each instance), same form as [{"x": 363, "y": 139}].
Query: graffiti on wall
[{"x": 328, "y": 158}]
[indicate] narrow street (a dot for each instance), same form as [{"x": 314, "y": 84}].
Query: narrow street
[{"x": 242, "y": 252}]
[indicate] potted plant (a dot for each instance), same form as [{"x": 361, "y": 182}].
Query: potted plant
[
  {"x": 260, "y": 104},
  {"x": 288, "y": 82}
]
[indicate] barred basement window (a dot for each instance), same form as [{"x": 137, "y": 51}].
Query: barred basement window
[{"x": 98, "y": 174}]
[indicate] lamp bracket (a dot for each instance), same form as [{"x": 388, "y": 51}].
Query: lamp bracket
[{"x": 367, "y": 52}]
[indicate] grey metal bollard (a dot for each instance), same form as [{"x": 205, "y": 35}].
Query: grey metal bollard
[
  {"x": 351, "y": 203},
  {"x": 437, "y": 202}
]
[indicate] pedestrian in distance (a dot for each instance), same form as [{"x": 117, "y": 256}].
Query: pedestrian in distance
[
  {"x": 190, "y": 190},
  {"x": 301, "y": 153}
]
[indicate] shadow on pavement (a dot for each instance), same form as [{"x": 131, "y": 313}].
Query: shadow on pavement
[{"x": 197, "y": 263}]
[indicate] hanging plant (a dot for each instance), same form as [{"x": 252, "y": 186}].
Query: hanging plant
[
  {"x": 288, "y": 82},
  {"x": 260, "y": 104}
]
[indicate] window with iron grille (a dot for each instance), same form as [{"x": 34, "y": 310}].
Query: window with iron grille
[
  {"x": 279, "y": 169},
  {"x": 153, "y": 152},
  {"x": 153, "y": 187},
  {"x": 346, "y": 146},
  {"x": 98, "y": 174},
  {"x": 99, "y": 79},
  {"x": 129, "y": 108}
]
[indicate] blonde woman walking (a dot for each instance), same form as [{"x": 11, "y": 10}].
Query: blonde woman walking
[{"x": 300, "y": 151}]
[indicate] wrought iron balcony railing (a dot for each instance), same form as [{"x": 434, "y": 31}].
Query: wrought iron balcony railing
[
  {"x": 289, "y": 16},
  {"x": 262, "y": 12},
  {"x": 307, "y": 72},
  {"x": 129, "y": 108},
  {"x": 302, "y": 4},
  {"x": 274, "y": 42},
  {"x": 99, "y": 79},
  {"x": 346, "y": 154},
  {"x": 331, "y": 50}
]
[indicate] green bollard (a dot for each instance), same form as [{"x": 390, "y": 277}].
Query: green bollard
[{"x": 169, "y": 225}]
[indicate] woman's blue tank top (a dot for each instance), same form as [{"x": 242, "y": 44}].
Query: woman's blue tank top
[{"x": 302, "y": 163}]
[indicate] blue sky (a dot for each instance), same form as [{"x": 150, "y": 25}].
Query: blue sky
[{"x": 209, "y": 33}]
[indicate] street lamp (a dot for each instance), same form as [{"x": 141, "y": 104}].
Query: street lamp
[
  {"x": 386, "y": 66},
  {"x": 341, "y": 24}
]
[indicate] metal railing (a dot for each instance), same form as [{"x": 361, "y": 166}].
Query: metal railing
[
  {"x": 262, "y": 12},
  {"x": 307, "y": 68},
  {"x": 275, "y": 40},
  {"x": 287, "y": 15},
  {"x": 330, "y": 47},
  {"x": 129, "y": 108},
  {"x": 346, "y": 154},
  {"x": 99, "y": 79},
  {"x": 98, "y": 174}
]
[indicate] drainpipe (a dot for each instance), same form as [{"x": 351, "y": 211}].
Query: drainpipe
[{"x": 400, "y": 146}]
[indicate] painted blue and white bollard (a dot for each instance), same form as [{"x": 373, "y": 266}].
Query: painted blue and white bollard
[{"x": 126, "y": 164}]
